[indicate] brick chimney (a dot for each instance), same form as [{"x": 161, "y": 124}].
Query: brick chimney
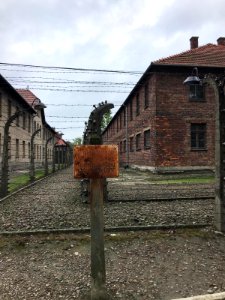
[
  {"x": 221, "y": 41},
  {"x": 194, "y": 42}
]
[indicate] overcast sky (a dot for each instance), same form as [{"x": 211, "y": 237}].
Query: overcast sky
[{"x": 96, "y": 34}]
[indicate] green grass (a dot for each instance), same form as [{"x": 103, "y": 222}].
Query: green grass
[
  {"x": 193, "y": 180},
  {"x": 22, "y": 180}
]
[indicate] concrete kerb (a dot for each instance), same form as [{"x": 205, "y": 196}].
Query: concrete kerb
[
  {"x": 217, "y": 296},
  {"x": 84, "y": 230}
]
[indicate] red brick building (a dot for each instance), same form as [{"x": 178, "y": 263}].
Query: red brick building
[{"x": 164, "y": 125}]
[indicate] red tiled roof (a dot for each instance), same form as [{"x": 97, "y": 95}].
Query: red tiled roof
[
  {"x": 27, "y": 95},
  {"x": 14, "y": 93},
  {"x": 60, "y": 142},
  {"x": 209, "y": 55}
]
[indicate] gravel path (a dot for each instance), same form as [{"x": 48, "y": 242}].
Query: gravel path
[
  {"x": 55, "y": 203},
  {"x": 152, "y": 265},
  {"x": 139, "y": 266}
]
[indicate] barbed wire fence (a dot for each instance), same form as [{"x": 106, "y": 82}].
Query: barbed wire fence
[{"x": 137, "y": 199}]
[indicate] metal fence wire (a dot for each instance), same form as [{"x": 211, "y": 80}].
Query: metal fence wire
[{"x": 147, "y": 136}]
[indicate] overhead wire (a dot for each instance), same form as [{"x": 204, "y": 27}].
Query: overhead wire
[{"x": 73, "y": 69}]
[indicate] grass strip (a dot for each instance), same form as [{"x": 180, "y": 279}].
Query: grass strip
[{"x": 22, "y": 180}]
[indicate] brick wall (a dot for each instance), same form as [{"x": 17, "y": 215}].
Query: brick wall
[
  {"x": 174, "y": 115},
  {"x": 136, "y": 124},
  {"x": 168, "y": 117}
]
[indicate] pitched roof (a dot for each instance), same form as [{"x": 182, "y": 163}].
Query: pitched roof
[
  {"x": 14, "y": 93},
  {"x": 28, "y": 96},
  {"x": 209, "y": 55},
  {"x": 31, "y": 99},
  {"x": 60, "y": 142}
]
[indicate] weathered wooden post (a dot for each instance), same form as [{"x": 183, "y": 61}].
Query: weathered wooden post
[
  {"x": 59, "y": 156},
  {"x": 46, "y": 155},
  {"x": 65, "y": 156},
  {"x": 53, "y": 158},
  {"x": 218, "y": 84},
  {"x": 96, "y": 162},
  {"x": 5, "y": 155},
  {"x": 32, "y": 154},
  {"x": 93, "y": 136}
]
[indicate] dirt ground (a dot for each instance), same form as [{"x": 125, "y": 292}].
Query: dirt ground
[{"x": 157, "y": 265}]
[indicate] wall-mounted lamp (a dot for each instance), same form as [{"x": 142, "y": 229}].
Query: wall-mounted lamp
[{"x": 193, "y": 79}]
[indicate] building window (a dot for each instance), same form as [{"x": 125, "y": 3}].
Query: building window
[
  {"x": 196, "y": 92},
  {"x": 147, "y": 139},
  {"x": 131, "y": 144},
  {"x": 28, "y": 150},
  {"x": 121, "y": 147},
  {"x": 146, "y": 95},
  {"x": 137, "y": 104},
  {"x": 24, "y": 149},
  {"x": 37, "y": 151},
  {"x": 24, "y": 121},
  {"x": 9, "y": 108},
  {"x": 198, "y": 136},
  {"x": 17, "y": 148},
  {"x": 124, "y": 117},
  {"x": 29, "y": 123},
  {"x": 124, "y": 146},
  {"x": 43, "y": 133},
  {"x": 138, "y": 142},
  {"x": 131, "y": 111},
  {"x": 35, "y": 125},
  {"x": 18, "y": 117}
]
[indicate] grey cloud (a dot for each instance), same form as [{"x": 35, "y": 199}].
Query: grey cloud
[{"x": 190, "y": 15}]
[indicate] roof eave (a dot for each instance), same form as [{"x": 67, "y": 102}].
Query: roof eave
[
  {"x": 9, "y": 88},
  {"x": 157, "y": 67},
  {"x": 145, "y": 74}
]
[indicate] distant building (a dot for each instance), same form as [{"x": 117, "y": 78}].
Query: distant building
[
  {"x": 22, "y": 128},
  {"x": 46, "y": 132},
  {"x": 164, "y": 125}
]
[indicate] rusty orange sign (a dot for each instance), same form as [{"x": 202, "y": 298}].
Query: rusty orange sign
[{"x": 96, "y": 161}]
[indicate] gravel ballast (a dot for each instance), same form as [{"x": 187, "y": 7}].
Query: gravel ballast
[
  {"x": 159, "y": 265},
  {"x": 55, "y": 202}
]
